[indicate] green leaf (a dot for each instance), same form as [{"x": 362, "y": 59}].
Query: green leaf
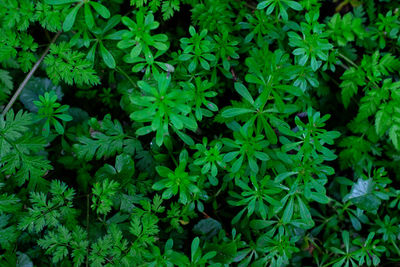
[
  {"x": 144, "y": 130},
  {"x": 159, "y": 185},
  {"x": 288, "y": 213},
  {"x": 135, "y": 52},
  {"x": 319, "y": 197},
  {"x": 232, "y": 112},
  {"x": 185, "y": 138},
  {"x": 230, "y": 156},
  {"x": 35, "y": 88},
  {"x": 138, "y": 67},
  {"x": 261, "y": 156},
  {"x": 237, "y": 164},
  {"x": 355, "y": 222},
  {"x": 362, "y": 195},
  {"x": 260, "y": 224},
  {"x": 204, "y": 64},
  {"x": 100, "y": 9},
  {"x": 263, "y": 4},
  {"x": 107, "y": 56},
  {"x": 383, "y": 121},
  {"x": 282, "y": 176},
  {"x": 194, "y": 246},
  {"x": 294, "y": 90},
  {"x": 294, "y": 5},
  {"x": 185, "y": 57},
  {"x": 394, "y": 133},
  {"x": 23, "y": 260},
  {"x": 124, "y": 164},
  {"x": 160, "y": 46},
  {"x": 253, "y": 165},
  {"x": 242, "y": 90},
  {"x": 352, "y": 78},
  {"x": 304, "y": 212},
  {"x": 108, "y": 141},
  {"x": 70, "y": 18},
  {"x": 58, "y": 126},
  {"x": 89, "y": 17},
  {"x": 207, "y": 227},
  {"x": 176, "y": 121},
  {"x": 269, "y": 131},
  {"x": 163, "y": 171},
  {"x": 64, "y": 117},
  {"x": 189, "y": 122}
]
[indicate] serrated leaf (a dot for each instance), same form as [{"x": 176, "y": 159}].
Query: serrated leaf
[
  {"x": 394, "y": 133},
  {"x": 383, "y": 121},
  {"x": 36, "y": 87}
]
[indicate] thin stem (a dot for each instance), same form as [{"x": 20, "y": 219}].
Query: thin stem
[
  {"x": 126, "y": 76},
  {"x": 341, "y": 5},
  {"x": 332, "y": 262},
  {"x": 47, "y": 36},
  {"x": 29, "y": 76},
  {"x": 343, "y": 66},
  {"x": 351, "y": 62},
  {"x": 396, "y": 247},
  {"x": 251, "y": 5},
  {"x": 173, "y": 158}
]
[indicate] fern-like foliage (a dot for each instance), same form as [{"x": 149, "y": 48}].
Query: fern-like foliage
[
  {"x": 8, "y": 232},
  {"x": 19, "y": 149},
  {"x": 168, "y": 7},
  {"x": 221, "y": 123},
  {"x": 106, "y": 139},
  {"x": 61, "y": 243},
  {"x": 70, "y": 66},
  {"x": 50, "y": 211},
  {"x": 9, "y": 205},
  {"x": 111, "y": 246},
  {"x": 6, "y": 85},
  {"x": 49, "y": 16}
]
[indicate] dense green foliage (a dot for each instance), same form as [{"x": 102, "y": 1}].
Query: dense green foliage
[{"x": 200, "y": 133}]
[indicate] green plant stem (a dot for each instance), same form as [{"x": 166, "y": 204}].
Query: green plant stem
[
  {"x": 29, "y": 76},
  {"x": 126, "y": 76},
  {"x": 351, "y": 62},
  {"x": 173, "y": 158},
  {"x": 396, "y": 247}
]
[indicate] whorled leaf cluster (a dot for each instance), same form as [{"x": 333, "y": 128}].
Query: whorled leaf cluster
[{"x": 199, "y": 133}]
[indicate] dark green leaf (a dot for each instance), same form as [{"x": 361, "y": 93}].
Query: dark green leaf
[
  {"x": 100, "y": 9},
  {"x": 107, "y": 57},
  {"x": 70, "y": 18}
]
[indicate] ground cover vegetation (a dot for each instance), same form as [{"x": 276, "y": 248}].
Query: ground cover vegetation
[{"x": 199, "y": 133}]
